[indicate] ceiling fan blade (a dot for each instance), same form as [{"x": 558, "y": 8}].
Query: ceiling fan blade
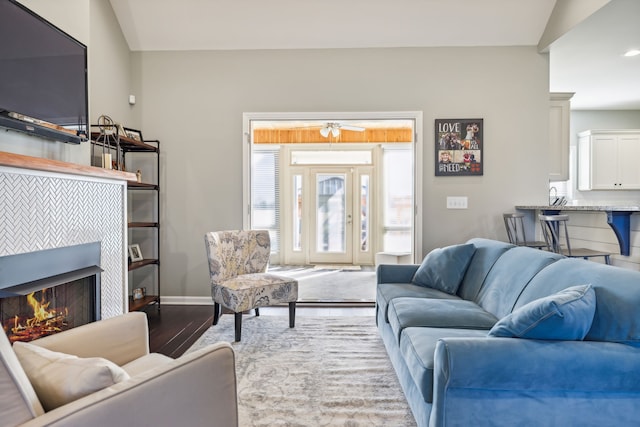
[
  {"x": 353, "y": 128},
  {"x": 325, "y": 131}
]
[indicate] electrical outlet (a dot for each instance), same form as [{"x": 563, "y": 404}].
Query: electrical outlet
[{"x": 457, "y": 202}]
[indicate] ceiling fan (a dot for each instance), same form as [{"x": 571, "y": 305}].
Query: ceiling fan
[{"x": 334, "y": 128}]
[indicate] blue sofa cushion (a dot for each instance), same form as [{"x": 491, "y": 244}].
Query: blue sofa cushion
[
  {"x": 485, "y": 256},
  {"x": 417, "y": 346},
  {"x": 442, "y": 313},
  {"x": 509, "y": 275},
  {"x": 444, "y": 268},
  {"x": 566, "y": 315},
  {"x": 386, "y": 292}
]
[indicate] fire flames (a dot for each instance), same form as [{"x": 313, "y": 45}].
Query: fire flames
[{"x": 45, "y": 321}]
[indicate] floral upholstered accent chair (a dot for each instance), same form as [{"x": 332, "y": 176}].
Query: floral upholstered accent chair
[{"x": 238, "y": 261}]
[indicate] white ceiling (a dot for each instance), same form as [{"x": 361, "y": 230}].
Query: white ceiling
[{"x": 587, "y": 60}]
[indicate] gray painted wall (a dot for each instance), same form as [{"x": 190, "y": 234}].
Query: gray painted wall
[
  {"x": 109, "y": 67},
  {"x": 193, "y": 102}
]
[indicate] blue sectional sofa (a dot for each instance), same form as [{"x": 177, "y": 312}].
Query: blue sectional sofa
[{"x": 488, "y": 334}]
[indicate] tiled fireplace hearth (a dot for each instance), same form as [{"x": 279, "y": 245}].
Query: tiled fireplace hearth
[{"x": 49, "y": 204}]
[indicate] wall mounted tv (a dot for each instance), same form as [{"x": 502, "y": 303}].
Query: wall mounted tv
[{"x": 43, "y": 76}]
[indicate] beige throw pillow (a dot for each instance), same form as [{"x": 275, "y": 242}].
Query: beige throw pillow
[{"x": 60, "y": 378}]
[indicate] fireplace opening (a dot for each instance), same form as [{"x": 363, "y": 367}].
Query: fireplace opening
[
  {"x": 49, "y": 291},
  {"x": 50, "y": 310}
]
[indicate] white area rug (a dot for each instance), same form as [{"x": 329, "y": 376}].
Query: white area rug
[{"x": 327, "y": 371}]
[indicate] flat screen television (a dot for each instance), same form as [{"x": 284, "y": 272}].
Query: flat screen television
[{"x": 43, "y": 76}]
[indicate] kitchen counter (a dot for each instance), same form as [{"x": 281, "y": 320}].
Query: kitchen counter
[
  {"x": 571, "y": 207},
  {"x": 618, "y": 217}
]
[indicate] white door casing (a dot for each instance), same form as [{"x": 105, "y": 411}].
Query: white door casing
[{"x": 286, "y": 187}]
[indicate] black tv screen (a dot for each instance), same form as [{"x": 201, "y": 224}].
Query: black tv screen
[{"x": 43, "y": 70}]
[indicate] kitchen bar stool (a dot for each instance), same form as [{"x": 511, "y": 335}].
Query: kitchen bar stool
[
  {"x": 553, "y": 226},
  {"x": 514, "y": 223}
]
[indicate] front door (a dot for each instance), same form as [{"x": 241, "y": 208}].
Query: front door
[{"x": 331, "y": 222}]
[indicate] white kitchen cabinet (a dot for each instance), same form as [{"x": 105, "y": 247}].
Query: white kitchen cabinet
[
  {"x": 559, "y": 121},
  {"x": 608, "y": 160}
]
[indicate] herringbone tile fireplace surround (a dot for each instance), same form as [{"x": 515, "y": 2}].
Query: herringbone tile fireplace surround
[{"x": 44, "y": 210}]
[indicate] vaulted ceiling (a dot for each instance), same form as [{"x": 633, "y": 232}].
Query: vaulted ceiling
[{"x": 588, "y": 60}]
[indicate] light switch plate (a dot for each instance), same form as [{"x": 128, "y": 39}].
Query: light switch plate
[{"x": 458, "y": 202}]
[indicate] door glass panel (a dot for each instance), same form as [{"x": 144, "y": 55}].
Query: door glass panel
[
  {"x": 364, "y": 213},
  {"x": 331, "y": 213},
  {"x": 398, "y": 199},
  {"x": 297, "y": 212}
]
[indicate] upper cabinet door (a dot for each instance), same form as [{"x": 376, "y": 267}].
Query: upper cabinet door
[
  {"x": 604, "y": 162},
  {"x": 628, "y": 155},
  {"x": 608, "y": 160}
]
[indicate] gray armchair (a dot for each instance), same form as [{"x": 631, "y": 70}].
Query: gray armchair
[{"x": 238, "y": 261}]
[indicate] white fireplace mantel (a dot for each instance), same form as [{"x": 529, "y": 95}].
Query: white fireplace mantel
[{"x": 46, "y": 204}]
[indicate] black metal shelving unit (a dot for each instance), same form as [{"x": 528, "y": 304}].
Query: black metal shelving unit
[{"x": 111, "y": 139}]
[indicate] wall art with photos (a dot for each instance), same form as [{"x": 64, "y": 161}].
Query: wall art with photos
[{"x": 459, "y": 145}]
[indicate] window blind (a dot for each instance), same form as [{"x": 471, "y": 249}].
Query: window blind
[{"x": 265, "y": 193}]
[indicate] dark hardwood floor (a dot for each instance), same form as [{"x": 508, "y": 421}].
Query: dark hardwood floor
[{"x": 174, "y": 328}]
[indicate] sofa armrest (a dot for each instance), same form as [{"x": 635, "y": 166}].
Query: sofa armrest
[
  {"x": 119, "y": 339},
  {"x": 197, "y": 389},
  {"x": 508, "y": 381},
  {"x": 395, "y": 273}
]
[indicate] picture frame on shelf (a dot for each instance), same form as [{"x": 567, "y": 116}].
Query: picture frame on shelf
[
  {"x": 135, "y": 253},
  {"x": 134, "y": 134},
  {"x": 139, "y": 293}
]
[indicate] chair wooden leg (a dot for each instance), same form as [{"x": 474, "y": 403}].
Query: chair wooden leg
[
  {"x": 292, "y": 314},
  {"x": 216, "y": 313},
  {"x": 238, "y": 322},
  {"x": 257, "y": 312}
]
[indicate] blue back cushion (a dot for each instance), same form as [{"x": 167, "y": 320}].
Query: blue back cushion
[
  {"x": 509, "y": 276},
  {"x": 486, "y": 254}
]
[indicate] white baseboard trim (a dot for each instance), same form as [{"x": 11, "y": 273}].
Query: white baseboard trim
[{"x": 184, "y": 300}]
